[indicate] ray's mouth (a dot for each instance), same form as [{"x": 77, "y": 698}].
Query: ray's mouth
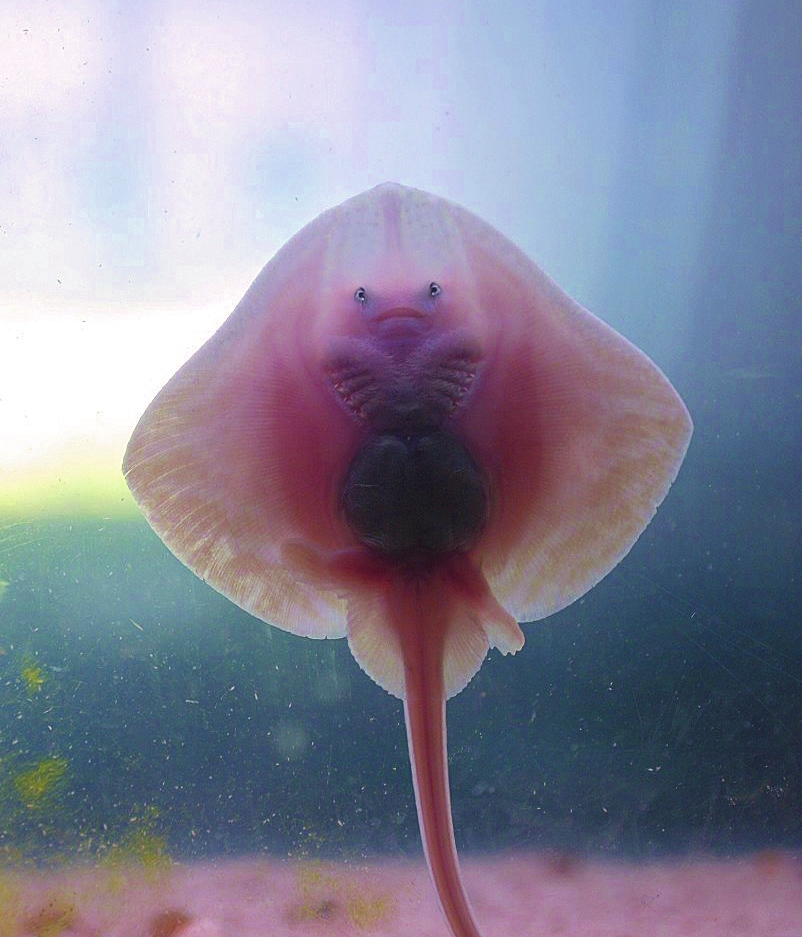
[{"x": 400, "y": 321}]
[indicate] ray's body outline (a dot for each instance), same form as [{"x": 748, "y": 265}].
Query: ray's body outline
[{"x": 276, "y": 463}]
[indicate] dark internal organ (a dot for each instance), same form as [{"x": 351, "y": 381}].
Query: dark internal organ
[{"x": 412, "y": 488}]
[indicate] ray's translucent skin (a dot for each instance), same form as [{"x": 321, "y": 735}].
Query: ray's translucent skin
[{"x": 407, "y": 434}]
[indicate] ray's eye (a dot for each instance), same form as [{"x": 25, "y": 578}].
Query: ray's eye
[
  {"x": 360, "y": 295},
  {"x": 435, "y": 289}
]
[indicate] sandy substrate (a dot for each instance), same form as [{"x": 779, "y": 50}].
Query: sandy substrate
[{"x": 513, "y": 896}]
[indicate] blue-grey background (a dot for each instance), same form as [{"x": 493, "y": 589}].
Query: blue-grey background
[{"x": 648, "y": 156}]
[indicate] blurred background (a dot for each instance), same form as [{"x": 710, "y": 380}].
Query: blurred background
[{"x": 154, "y": 156}]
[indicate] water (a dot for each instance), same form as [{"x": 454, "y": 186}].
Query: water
[
  {"x": 660, "y": 183},
  {"x": 658, "y": 715}
]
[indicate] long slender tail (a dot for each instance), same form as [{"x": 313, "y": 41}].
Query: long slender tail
[{"x": 425, "y": 713}]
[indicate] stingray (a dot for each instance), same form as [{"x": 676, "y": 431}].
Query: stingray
[{"x": 406, "y": 434}]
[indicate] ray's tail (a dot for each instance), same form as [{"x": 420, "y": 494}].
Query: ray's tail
[{"x": 425, "y": 714}]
